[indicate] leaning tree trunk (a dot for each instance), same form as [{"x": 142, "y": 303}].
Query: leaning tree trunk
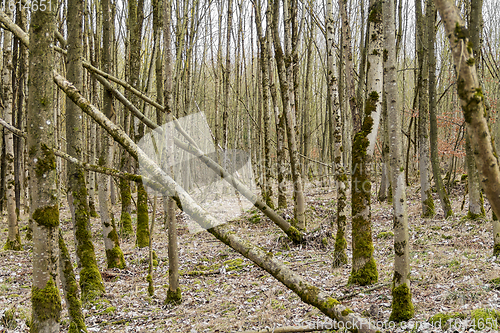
[
  {"x": 402, "y": 306},
  {"x": 472, "y": 101},
  {"x": 423, "y": 115},
  {"x": 114, "y": 253},
  {"x": 13, "y": 238},
  {"x": 45, "y": 298},
  {"x": 90, "y": 278},
  {"x": 364, "y": 268},
  {"x": 339, "y": 255},
  {"x": 289, "y": 114}
]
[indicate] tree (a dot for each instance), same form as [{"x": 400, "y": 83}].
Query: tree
[
  {"x": 13, "y": 239},
  {"x": 364, "y": 269},
  {"x": 402, "y": 306},
  {"x": 436, "y": 169},
  {"x": 174, "y": 291},
  {"x": 114, "y": 253},
  {"x": 423, "y": 115},
  {"x": 476, "y": 208},
  {"x": 333, "y": 107},
  {"x": 472, "y": 102},
  {"x": 284, "y": 75},
  {"x": 90, "y": 278},
  {"x": 45, "y": 298}
]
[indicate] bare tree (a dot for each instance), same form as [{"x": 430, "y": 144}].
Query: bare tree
[
  {"x": 45, "y": 298},
  {"x": 13, "y": 238},
  {"x": 402, "y": 306}
]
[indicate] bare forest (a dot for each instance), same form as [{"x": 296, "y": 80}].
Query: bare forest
[{"x": 249, "y": 166}]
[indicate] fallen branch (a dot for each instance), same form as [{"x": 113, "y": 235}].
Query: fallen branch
[{"x": 288, "y": 329}]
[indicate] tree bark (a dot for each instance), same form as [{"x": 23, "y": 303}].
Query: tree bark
[
  {"x": 70, "y": 287},
  {"x": 13, "y": 238},
  {"x": 45, "y": 298},
  {"x": 284, "y": 75},
  {"x": 402, "y": 306},
  {"x": 333, "y": 107},
  {"x": 364, "y": 269},
  {"x": 423, "y": 115},
  {"x": 114, "y": 253},
  {"x": 90, "y": 278}
]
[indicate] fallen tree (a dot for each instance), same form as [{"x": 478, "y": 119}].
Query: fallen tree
[{"x": 309, "y": 294}]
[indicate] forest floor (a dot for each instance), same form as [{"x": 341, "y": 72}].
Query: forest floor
[{"x": 451, "y": 270}]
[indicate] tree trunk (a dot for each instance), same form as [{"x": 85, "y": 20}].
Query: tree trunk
[
  {"x": 472, "y": 101},
  {"x": 333, "y": 107},
  {"x": 264, "y": 66},
  {"x": 402, "y": 306},
  {"x": 90, "y": 278},
  {"x": 70, "y": 287},
  {"x": 364, "y": 268},
  {"x": 45, "y": 298},
  {"x": 174, "y": 292},
  {"x": 114, "y": 253},
  {"x": 284, "y": 75},
  {"x": 436, "y": 170},
  {"x": 13, "y": 238},
  {"x": 423, "y": 115}
]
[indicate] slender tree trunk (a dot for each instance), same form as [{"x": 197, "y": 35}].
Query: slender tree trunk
[
  {"x": 264, "y": 66},
  {"x": 90, "y": 278},
  {"x": 436, "y": 169},
  {"x": 13, "y": 238},
  {"x": 114, "y": 253},
  {"x": 227, "y": 72},
  {"x": 284, "y": 75},
  {"x": 472, "y": 102},
  {"x": 45, "y": 298},
  {"x": 174, "y": 292},
  {"x": 70, "y": 287},
  {"x": 364, "y": 268},
  {"x": 333, "y": 107},
  {"x": 476, "y": 208},
  {"x": 402, "y": 306},
  {"x": 423, "y": 115}
]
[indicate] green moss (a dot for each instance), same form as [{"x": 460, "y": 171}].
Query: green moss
[
  {"x": 346, "y": 311},
  {"x": 14, "y": 245},
  {"x": 46, "y": 303},
  {"x": 295, "y": 234},
  {"x": 151, "y": 289},
  {"x": 496, "y": 250},
  {"x": 331, "y": 302},
  {"x": 470, "y": 61},
  {"x": 484, "y": 318},
  {"x": 125, "y": 218},
  {"x": 72, "y": 295},
  {"x": 115, "y": 258},
  {"x": 375, "y": 15},
  {"x": 173, "y": 297},
  {"x": 443, "y": 320},
  {"x": 402, "y": 306},
  {"x": 366, "y": 275},
  {"x": 47, "y": 216},
  {"x": 385, "y": 234},
  {"x": 428, "y": 209},
  {"x": 46, "y": 163},
  {"x": 142, "y": 217}
]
